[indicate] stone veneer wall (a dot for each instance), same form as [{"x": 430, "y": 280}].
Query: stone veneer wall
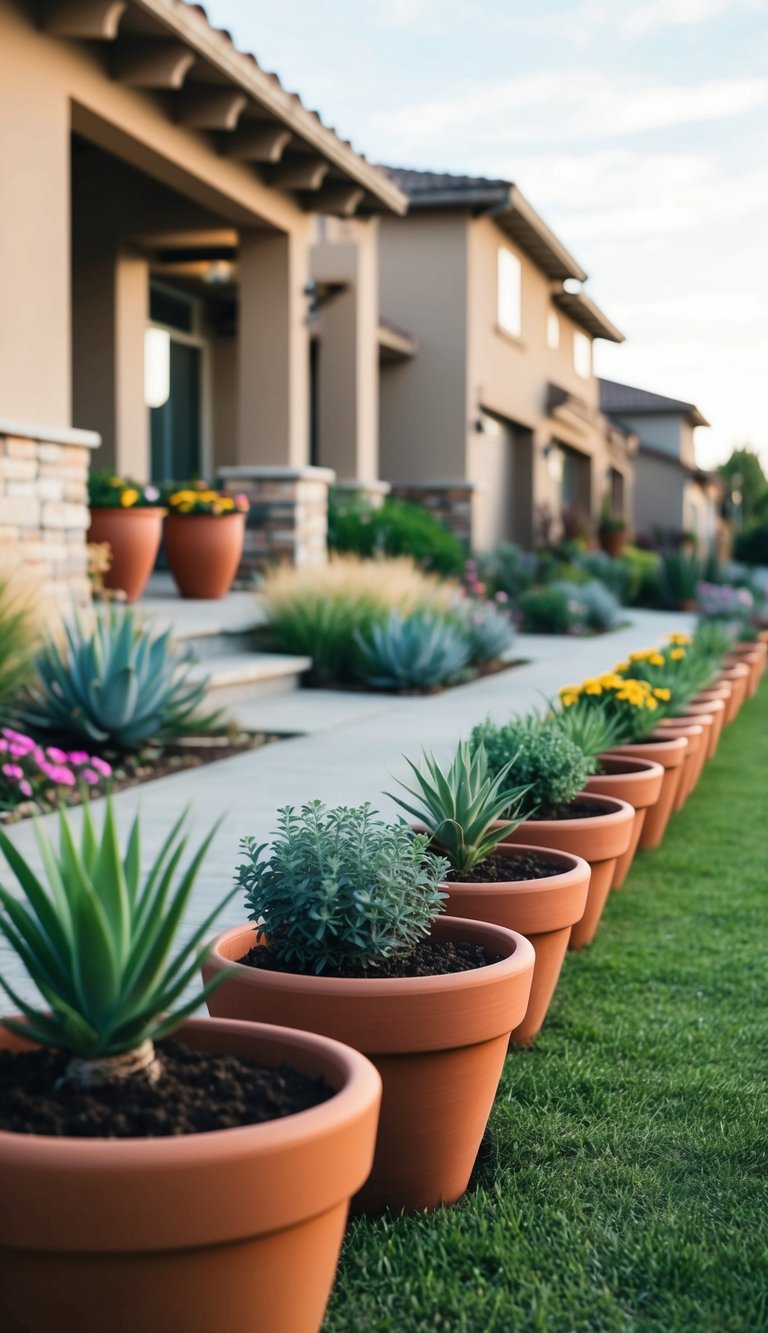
[
  {"x": 288, "y": 519},
  {"x": 44, "y": 504},
  {"x": 450, "y": 501}
]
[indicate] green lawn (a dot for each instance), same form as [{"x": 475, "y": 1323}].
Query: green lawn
[{"x": 625, "y": 1184}]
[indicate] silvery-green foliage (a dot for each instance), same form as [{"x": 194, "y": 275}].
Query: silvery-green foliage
[
  {"x": 413, "y": 652},
  {"x": 116, "y": 685},
  {"x": 536, "y": 754},
  {"x": 95, "y": 937},
  {"x": 597, "y": 607},
  {"x": 460, "y": 803},
  {"x": 616, "y": 574},
  {"x": 339, "y": 890},
  {"x": 488, "y": 632}
]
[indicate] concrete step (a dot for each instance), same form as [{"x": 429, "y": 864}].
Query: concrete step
[{"x": 242, "y": 677}]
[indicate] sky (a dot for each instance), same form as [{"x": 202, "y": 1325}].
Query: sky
[{"x": 637, "y": 128}]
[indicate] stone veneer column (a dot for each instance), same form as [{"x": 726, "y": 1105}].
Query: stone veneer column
[
  {"x": 44, "y": 504},
  {"x": 288, "y": 519},
  {"x": 450, "y": 501}
]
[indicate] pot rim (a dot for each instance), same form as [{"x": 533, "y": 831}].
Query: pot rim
[
  {"x": 228, "y": 513},
  {"x": 619, "y": 812},
  {"x": 642, "y": 770},
  {"x": 130, "y": 512},
  {"x": 572, "y": 875}
]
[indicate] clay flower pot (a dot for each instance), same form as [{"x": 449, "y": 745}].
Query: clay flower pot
[
  {"x": 544, "y": 910},
  {"x": 639, "y": 783},
  {"x": 697, "y": 735},
  {"x": 133, "y": 536},
  {"x": 236, "y": 1228},
  {"x": 204, "y": 552},
  {"x": 737, "y": 676},
  {"x": 670, "y": 753},
  {"x": 714, "y": 709},
  {"x": 612, "y": 541},
  {"x": 599, "y": 839},
  {"x": 438, "y": 1042},
  {"x": 752, "y": 655}
]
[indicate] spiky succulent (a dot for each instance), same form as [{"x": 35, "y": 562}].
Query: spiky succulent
[
  {"x": 460, "y": 803},
  {"x": 95, "y": 938},
  {"x": 116, "y": 685},
  {"x": 488, "y": 631},
  {"x": 414, "y": 652}
]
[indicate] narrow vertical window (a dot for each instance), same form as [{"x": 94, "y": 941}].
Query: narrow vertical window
[
  {"x": 582, "y": 355},
  {"x": 510, "y": 283},
  {"x": 553, "y": 330}
]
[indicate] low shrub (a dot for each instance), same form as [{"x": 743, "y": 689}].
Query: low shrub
[
  {"x": 319, "y": 611},
  {"x": 643, "y": 566},
  {"x": 394, "y": 528},
  {"x": 339, "y": 890},
  {"x": 507, "y": 569},
  {"x": 616, "y": 574},
  {"x": 547, "y": 611},
  {"x": 487, "y": 630},
  {"x": 592, "y": 605},
  {"x": 416, "y": 652},
  {"x": 535, "y": 754}
]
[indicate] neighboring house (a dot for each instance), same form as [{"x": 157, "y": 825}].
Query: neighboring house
[
  {"x": 489, "y": 405},
  {"x": 672, "y": 493},
  {"x": 160, "y": 192}
]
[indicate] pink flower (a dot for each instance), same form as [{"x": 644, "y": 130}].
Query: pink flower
[
  {"x": 13, "y": 771},
  {"x": 90, "y": 776},
  {"x": 14, "y": 735},
  {"x": 101, "y": 766},
  {"x": 61, "y": 775},
  {"x": 151, "y": 493},
  {"x": 25, "y": 788},
  {"x": 3, "y": 746},
  {"x": 17, "y": 750},
  {"x": 56, "y": 755},
  {"x": 502, "y": 597},
  {"x": 78, "y": 757}
]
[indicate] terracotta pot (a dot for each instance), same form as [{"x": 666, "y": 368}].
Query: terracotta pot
[
  {"x": 134, "y": 537},
  {"x": 718, "y": 695},
  {"x": 639, "y": 783},
  {"x": 714, "y": 709},
  {"x": 438, "y": 1042},
  {"x": 544, "y": 910},
  {"x": 737, "y": 676},
  {"x": 671, "y": 755},
  {"x": 599, "y": 839},
  {"x": 204, "y": 552},
  {"x": 612, "y": 543},
  {"x": 697, "y": 735},
  {"x": 753, "y": 656},
  {"x": 238, "y": 1228}
]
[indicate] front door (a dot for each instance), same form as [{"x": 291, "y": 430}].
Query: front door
[{"x": 176, "y": 426}]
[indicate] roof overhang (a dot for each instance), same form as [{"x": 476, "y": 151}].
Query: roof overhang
[
  {"x": 583, "y": 311},
  {"x": 395, "y": 344},
  {"x": 169, "y": 46}
]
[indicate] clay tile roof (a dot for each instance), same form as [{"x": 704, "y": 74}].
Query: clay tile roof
[{"x": 624, "y": 399}]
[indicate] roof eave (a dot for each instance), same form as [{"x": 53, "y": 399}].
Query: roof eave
[{"x": 582, "y": 310}]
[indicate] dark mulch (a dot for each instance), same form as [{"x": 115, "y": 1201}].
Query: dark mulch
[
  {"x": 430, "y": 958},
  {"x": 507, "y": 867},
  {"x": 198, "y": 1091}
]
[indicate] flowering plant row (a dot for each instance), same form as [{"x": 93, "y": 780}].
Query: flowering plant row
[
  {"x": 107, "y": 490},
  {"x": 199, "y": 498},
  {"x": 32, "y": 772}
]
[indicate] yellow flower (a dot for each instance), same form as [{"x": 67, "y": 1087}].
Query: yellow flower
[
  {"x": 662, "y": 693},
  {"x": 651, "y": 702},
  {"x": 677, "y": 654},
  {"x": 568, "y": 699},
  {"x": 568, "y": 689},
  {"x": 621, "y": 667},
  {"x": 655, "y": 659},
  {"x": 679, "y": 638},
  {"x": 592, "y": 687},
  {"x": 129, "y": 497}
]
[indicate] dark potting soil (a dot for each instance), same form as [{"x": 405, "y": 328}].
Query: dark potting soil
[
  {"x": 430, "y": 958},
  {"x": 507, "y": 867},
  {"x": 571, "y": 810},
  {"x": 198, "y": 1091}
]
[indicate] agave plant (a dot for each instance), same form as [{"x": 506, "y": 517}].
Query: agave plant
[
  {"x": 416, "y": 652},
  {"x": 460, "y": 804},
  {"x": 488, "y": 631},
  {"x": 116, "y": 685},
  {"x": 96, "y": 943}
]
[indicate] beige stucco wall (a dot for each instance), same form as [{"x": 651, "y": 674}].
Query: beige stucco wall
[{"x": 659, "y": 488}]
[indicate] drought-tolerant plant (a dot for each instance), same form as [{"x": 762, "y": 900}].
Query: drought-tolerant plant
[
  {"x": 96, "y": 941},
  {"x": 548, "y": 611},
  {"x": 679, "y": 576},
  {"x": 537, "y": 755},
  {"x": 114, "y": 684},
  {"x": 394, "y": 528},
  {"x": 626, "y": 710},
  {"x": 592, "y": 729},
  {"x": 417, "y": 652},
  {"x": 460, "y": 803},
  {"x": 683, "y": 666},
  {"x": 507, "y": 569},
  {"x": 106, "y": 490},
  {"x": 32, "y": 772},
  {"x": 341, "y": 891},
  {"x": 19, "y": 630},
  {"x": 197, "y": 497},
  {"x": 317, "y": 611},
  {"x": 487, "y": 631},
  {"x": 724, "y": 601},
  {"x": 615, "y": 573},
  {"x": 600, "y": 609}
]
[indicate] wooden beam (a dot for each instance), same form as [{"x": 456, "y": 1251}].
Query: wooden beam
[
  {"x": 211, "y": 109},
  {"x": 148, "y": 64},
  {"x": 259, "y": 142},
  {"x": 340, "y": 199},
  {"x": 300, "y": 172},
  {"x": 96, "y": 20}
]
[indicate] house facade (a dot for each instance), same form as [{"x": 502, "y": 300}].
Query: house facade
[
  {"x": 673, "y": 494},
  {"x": 159, "y": 196},
  {"x": 489, "y": 405}
]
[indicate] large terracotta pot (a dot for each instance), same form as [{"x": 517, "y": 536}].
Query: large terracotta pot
[
  {"x": 716, "y": 702},
  {"x": 737, "y": 676},
  {"x": 612, "y": 542},
  {"x": 711, "y": 713},
  {"x": 697, "y": 735},
  {"x": 599, "y": 839},
  {"x": 639, "y": 783},
  {"x": 204, "y": 552},
  {"x": 438, "y": 1042},
  {"x": 544, "y": 910},
  {"x": 753, "y": 655},
  {"x": 133, "y": 536},
  {"x": 671, "y": 755},
  {"x": 235, "y": 1229}
]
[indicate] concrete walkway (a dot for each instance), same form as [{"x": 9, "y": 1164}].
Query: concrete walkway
[{"x": 352, "y": 752}]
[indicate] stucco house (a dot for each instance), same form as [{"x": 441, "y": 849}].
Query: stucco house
[
  {"x": 159, "y": 201},
  {"x": 672, "y": 493},
  {"x": 489, "y": 404}
]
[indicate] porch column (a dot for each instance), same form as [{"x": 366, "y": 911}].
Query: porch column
[
  {"x": 273, "y": 351},
  {"x": 348, "y": 362}
]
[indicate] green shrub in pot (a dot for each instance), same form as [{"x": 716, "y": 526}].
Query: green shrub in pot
[{"x": 537, "y": 755}]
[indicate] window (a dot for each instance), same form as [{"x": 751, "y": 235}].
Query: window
[
  {"x": 582, "y": 355},
  {"x": 553, "y": 330},
  {"x": 509, "y": 292}
]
